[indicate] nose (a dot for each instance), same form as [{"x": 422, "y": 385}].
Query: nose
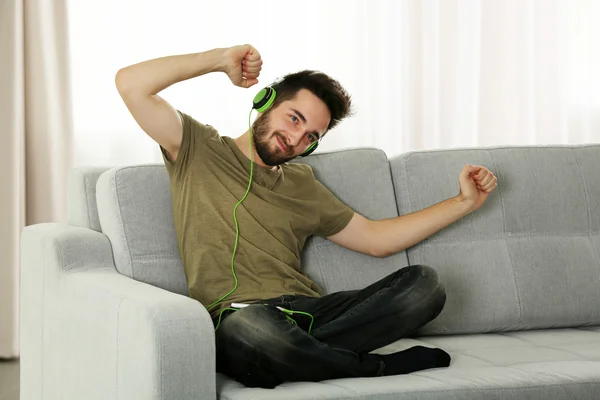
[{"x": 294, "y": 137}]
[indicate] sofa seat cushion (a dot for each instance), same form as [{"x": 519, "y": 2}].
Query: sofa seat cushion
[{"x": 544, "y": 364}]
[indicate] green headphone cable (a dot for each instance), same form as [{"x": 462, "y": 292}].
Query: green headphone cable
[
  {"x": 237, "y": 230},
  {"x": 237, "y": 237},
  {"x": 288, "y": 312}
]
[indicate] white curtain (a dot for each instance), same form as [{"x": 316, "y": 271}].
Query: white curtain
[
  {"x": 35, "y": 124},
  {"x": 423, "y": 73}
]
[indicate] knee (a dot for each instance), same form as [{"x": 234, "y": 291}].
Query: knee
[
  {"x": 426, "y": 288},
  {"x": 258, "y": 329},
  {"x": 425, "y": 277},
  {"x": 253, "y": 324},
  {"x": 433, "y": 288}
]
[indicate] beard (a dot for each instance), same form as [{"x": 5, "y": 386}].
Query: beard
[{"x": 269, "y": 154}]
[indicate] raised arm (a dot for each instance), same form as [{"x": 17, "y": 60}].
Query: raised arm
[{"x": 139, "y": 85}]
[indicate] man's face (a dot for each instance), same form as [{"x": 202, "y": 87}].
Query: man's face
[{"x": 283, "y": 133}]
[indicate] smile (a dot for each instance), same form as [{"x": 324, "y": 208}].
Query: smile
[{"x": 281, "y": 145}]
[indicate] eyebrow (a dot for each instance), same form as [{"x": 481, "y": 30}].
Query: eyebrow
[{"x": 299, "y": 114}]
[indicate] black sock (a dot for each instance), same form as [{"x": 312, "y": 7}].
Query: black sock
[{"x": 414, "y": 359}]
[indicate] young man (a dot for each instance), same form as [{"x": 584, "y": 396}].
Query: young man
[{"x": 290, "y": 332}]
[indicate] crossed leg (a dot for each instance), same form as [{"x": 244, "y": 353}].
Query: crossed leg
[{"x": 259, "y": 347}]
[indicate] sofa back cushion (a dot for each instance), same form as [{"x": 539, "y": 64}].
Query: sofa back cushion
[
  {"x": 529, "y": 258},
  {"x": 361, "y": 178},
  {"x": 81, "y": 197},
  {"x": 135, "y": 212}
]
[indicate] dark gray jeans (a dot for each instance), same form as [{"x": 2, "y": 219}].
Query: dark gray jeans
[{"x": 259, "y": 347}]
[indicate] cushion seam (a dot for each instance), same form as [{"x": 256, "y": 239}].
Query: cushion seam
[
  {"x": 471, "y": 239},
  {"x": 510, "y": 255},
  {"x": 155, "y": 257},
  {"x": 481, "y": 359},
  {"x": 589, "y": 211},
  {"x": 585, "y": 191},
  {"x": 546, "y": 347}
]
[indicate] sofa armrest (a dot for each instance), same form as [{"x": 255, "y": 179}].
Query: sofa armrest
[{"x": 90, "y": 332}]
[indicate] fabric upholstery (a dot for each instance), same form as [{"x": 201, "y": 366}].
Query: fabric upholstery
[
  {"x": 362, "y": 179},
  {"x": 528, "y": 259},
  {"x": 81, "y": 197},
  {"x": 92, "y": 333},
  {"x": 135, "y": 212},
  {"x": 551, "y": 364}
]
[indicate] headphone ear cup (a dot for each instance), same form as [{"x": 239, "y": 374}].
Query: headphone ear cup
[
  {"x": 310, "y": 149},
  {"x": 264, "y": 99}
]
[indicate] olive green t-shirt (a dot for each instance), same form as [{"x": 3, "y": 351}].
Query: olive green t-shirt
[{"x": 283, "y": 208}]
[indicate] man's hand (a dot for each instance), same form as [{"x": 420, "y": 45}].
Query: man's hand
[
  {"x": 476, "y": 183},
  {"x": 242, "y": 64}
]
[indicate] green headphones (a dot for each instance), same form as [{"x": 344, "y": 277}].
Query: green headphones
[{"x": 264, "y": 100}]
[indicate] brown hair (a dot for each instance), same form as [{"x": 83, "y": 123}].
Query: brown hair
[{"x": 329, "y": 90}]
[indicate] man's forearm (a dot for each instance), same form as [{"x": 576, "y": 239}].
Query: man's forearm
[
  {"x": 399, "y": 233},
  {"x": 152, "y": 76}
]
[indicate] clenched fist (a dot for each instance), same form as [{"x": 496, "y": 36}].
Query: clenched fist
[
  {"x": 476, "y": 183},
  {"x": 242, "y": 65}
]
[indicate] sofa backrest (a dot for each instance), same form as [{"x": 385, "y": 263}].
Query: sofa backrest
[
  {"x": 361, "y": 178},
  {"x": 81, "y": 197},
  {"x": 135, "y": 212},
  {"x": 529, "y": 258}
]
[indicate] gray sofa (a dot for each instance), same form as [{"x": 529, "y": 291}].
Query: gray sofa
[{"x": 105, "y": 311}]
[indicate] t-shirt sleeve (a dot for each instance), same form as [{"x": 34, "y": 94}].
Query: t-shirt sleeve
[
  {"x": 334, "y": 214},
  {"x": 194, "y": 141}
]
